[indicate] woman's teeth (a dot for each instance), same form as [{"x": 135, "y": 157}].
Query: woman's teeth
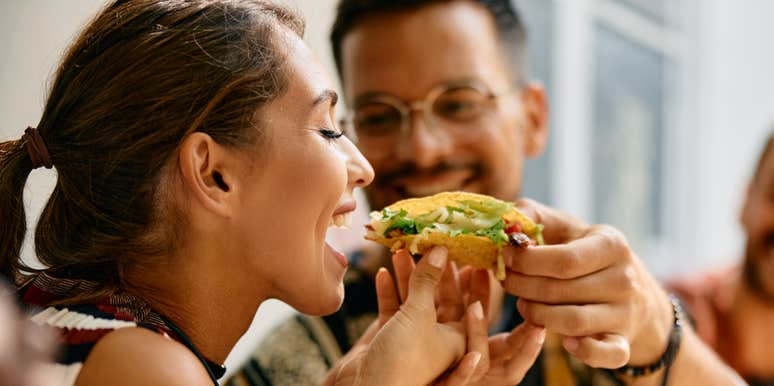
[{"x": 341, "y": 220}]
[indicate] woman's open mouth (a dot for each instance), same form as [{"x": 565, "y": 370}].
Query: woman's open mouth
[{"x": 342, "y": 216}]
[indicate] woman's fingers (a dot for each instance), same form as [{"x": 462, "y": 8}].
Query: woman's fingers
[
  {"x": 531, "y": 342},
  {"x": 505, "y": 345},
  {"x": 465, "y": 274},
  {"x": 450, "y": 304},
  {"x": 512, "y": 354},
  {"x": 403, "y": 264},
  {"x": 462, "y": 374},
  {"x": 477, "y": 336},
  {"x": 386, "y": 296},
  {"x": 480, "y": 288},
  {"x": 609, "y": 351},
  {"x": 424, "y": 280}
]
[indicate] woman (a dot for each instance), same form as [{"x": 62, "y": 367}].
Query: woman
[{"x": 199, "y": 168}]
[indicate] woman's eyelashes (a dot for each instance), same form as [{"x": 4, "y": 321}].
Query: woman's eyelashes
[{"x": 331, "y": 134}]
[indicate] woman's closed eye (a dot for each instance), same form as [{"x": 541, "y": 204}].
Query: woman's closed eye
[{"x": 331, "y": 134}]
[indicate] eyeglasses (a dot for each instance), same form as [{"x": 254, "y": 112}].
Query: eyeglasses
[{"x": 455, "y": 108}]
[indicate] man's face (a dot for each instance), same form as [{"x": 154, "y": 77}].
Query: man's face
[
  {"x": 758, "y": 223},
  {"x": 405, "y": 56}
]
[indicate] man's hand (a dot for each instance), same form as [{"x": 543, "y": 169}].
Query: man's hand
[{"x": 588, "y": 285}]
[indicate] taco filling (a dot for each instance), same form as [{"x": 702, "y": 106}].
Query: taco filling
[{"x": 459, "y": 221}]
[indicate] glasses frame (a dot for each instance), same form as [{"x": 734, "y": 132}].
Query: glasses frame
[{"x": 423, "y": 106}]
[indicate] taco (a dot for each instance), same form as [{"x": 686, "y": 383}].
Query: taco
[{"x": 473, "y": 227}]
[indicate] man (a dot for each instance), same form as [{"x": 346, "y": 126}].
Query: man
[
  {"x": 440, "y": 103},
  {"x": 733, "y": 308}
]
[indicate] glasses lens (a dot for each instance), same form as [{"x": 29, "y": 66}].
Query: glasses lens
[
  {"x": 377, "y": 119},
  {"x": 460, "y": 104}
]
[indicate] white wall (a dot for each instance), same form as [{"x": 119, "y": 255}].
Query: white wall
[
  {"x": 735, "y": 111},
  {"x": 33, "y": 37},
  {"x": 733, "y": 103}
]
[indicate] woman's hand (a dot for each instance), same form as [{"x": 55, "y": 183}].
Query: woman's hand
[
  {"x": 411, "y": 348},
  {"x": 461, "y": 300}
]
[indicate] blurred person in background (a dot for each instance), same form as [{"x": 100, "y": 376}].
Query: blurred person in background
[
  {"x": 733, "y": 308},
  {"x": 24, "y": 346},
  {"x": 439, "y": 102}
]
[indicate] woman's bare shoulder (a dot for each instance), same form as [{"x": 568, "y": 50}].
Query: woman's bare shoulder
[{"x": 136, "y": 356}]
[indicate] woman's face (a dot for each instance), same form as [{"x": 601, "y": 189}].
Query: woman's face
[{"x": 298, "y": 188}]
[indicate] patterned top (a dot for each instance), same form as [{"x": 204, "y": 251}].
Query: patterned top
[
  {"x": 301, "y": 350},
  {"x": 80, "y": 326}
]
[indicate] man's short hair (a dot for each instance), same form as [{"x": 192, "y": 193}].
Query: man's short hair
[{"x": 510, "y": 29}]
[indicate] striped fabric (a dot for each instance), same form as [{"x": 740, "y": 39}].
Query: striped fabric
[{"x": 80, "y": 327}]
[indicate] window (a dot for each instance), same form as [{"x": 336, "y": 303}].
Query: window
[
  {"x": 615, "y": 75},
  {"x": 538, "y": 17}
]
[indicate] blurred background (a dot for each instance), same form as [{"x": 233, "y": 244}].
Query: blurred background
[{"x": 659, "y": 109}]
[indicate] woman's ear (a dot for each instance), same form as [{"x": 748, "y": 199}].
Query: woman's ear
[
  {"x": 535, "y": 106},
  {"x": 205, "y": 173}
]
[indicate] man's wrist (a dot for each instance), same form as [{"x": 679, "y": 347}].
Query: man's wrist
[
  {"x": 652, "y": 340},
  {"x": 668, "y": 357}
]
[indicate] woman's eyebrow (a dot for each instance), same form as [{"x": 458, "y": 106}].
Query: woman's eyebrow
[{"x": 326, "y": 95}]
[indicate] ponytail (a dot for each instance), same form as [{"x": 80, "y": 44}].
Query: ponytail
[{"x": 15, "y": 167}]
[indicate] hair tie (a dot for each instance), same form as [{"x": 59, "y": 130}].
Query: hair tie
[{"x": 36, "y": 148}]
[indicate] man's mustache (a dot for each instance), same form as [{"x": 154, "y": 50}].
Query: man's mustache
[{"x": 411, "y": 169}]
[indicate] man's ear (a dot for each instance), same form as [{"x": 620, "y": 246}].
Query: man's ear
[
  {"x": 535, "y": 106},
  {"x": 202, "y": 163}
]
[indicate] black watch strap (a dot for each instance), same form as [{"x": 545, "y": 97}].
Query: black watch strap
[{"x": 672, "y": 349}]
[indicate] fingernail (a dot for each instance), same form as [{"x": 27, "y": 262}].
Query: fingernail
[
  {"x": 571, "y": 344},
  {"x": 478, "y": 310},
  {"x": 476, "y": 358},
  {"x": 541, "y": 336},
  {"x": 437, "y": 257}
]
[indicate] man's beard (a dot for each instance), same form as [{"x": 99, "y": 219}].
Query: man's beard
[{"x": 752, "y": 277}]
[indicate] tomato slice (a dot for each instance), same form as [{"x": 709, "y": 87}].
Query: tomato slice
[{"x": 515, "y": 228}]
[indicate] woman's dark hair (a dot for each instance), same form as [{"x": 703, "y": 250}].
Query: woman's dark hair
[{"x": 139, "y": 78}]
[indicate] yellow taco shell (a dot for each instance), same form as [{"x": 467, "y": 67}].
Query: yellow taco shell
[{"x": 465, "y": 249}]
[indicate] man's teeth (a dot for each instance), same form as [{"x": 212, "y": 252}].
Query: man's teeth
[{"x": 342, "y": 220}]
